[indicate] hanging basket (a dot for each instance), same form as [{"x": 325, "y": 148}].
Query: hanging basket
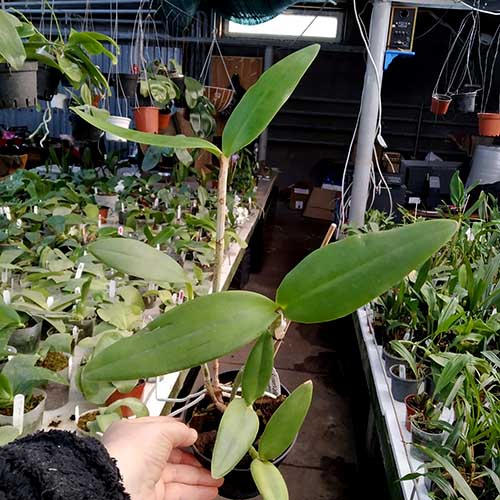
[
  {"x": 147, "y": 119},
  {"x": 47, "y": 81},
  {"x": 489, "y": 124},
  {"x": 18, "y": 89},
  {"x": 219, "y": 97},
  {"x": 440, "y": 104}
]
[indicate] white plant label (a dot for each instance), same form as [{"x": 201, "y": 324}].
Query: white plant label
[
  {"x": 112, "y": 289},
  {"x": 78, "y": 290},
  {"x": 35, "y": 209},
  {"x": 120, "y": 230},
  {"x": 470, "y": 234},
  {"x": 7, "y": 213},
  {"x": 79, "y": 270},
  {"x": 75, "y": 332},
  {"x": 180, "y": 298},
  {"x": 179, "y": 213},
  {"x": 6, "y": 296},
  {"x": 407, "y": 335},
  {"x": 156, "y": 204},
  {"x": 122, "y": 206},
  {"x": 2, "y": 211},
  {"x": 70, "y": 367},
  {"x": 5, "y": 276},
  {"x": 50, "y": 301},
  {"x": 19, "y": 223},
  {"x": 158, "y": 247},
  {"x": 250, "y": 203},
  {"x": 18, "y": 412},
  {"x": 77, "y": 413},
  {"x": 99, "y": 221},
  {"x": 402, "y": 371},
  {"x": 174, "y": 298}
]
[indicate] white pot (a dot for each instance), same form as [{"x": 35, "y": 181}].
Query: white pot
[
  {"x": 33, "y": 419},
  {"x": 119, "y": 121},
  {"x": 58, "y": 101},
  {"x": 83, "y": 433},
  {"x": 106, "y": 200}
]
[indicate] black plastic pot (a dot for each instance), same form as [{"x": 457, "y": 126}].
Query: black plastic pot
[
  {"x": 238, "y": 484},
  {"x": 390, "y": 360},
  {"x": 47, "y": 81},
  {"x": 125, "y": 84},
  {"x": 466, "y": 103},
  {"x": 18, "y": 89},
  {"x": 402, "y": 387},
  {"x": 179, "y": 81},
  {"x": 84, "y": 131}
]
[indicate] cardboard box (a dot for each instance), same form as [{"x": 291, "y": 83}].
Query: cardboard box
[
  {"x": 299, "y": 197},
  {"x": 321, "y": 204}
]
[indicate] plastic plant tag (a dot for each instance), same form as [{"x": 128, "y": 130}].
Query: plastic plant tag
[
  {"x": 402, "y": 371},
  {"x": 18, "y": 412},
  {"x": 180, "y": 298},
  {"x": 70, "y": 367},
  {"x": 77, "y": 414},
  {"x": 174, "y": 298},
  {"x": 112, "y": 289},
  {"x": 120, "y": 230},
  {"x": 5, "y": 276},
  {"x": 75, "y": 332},
  {"x": 79, "y": 270},
  {"x": 156, "y": 204},
  {"x": 99, "y": 221},
  {"x": 179, "y": 212},
  {"x": 2, "y": 210},
  {"x": 7, "y": 213},
  {"x": 158, "y": 247},
  {"x": 78, "y": 290},
  {"x": 50, "y": 301},
  {"x": 19, "y": 223},
  {"x": 6, "y": 296},
  {"x": 35, "y": 209}
]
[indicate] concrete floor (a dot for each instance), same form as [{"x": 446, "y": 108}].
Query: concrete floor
[{"x": 322, "y": 465}]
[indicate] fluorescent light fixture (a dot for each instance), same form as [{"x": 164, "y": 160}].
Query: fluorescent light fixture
[{"x": 292, "y": 25}]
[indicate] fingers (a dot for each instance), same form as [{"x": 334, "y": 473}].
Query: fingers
[
  {"x": 187, "y": 474},
  {"x": 177, "y": 491},
  {"x": 179, "y": 456}
]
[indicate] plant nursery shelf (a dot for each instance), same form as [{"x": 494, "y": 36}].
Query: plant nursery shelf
[
  {"x": 168, "y": 386},
  {"x": 387, "y": 417}
]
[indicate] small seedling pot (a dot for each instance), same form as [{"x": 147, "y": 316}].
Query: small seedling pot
[
  {"x": 82, "y": 432},
  {"x": 86, "y": 328},
  {"x": 18, "y": 89},
  {"x": 411, "y": 409},
  {"x": 26, "y": 340},
  {"x": 147, "y": 119},
  {"x": 390, "y": 360},
  {"x": 106, "y": 200},
  {"x": 402, "y": 387},
  {"x": 440, "y": 104},
  {"x": 136, "y": 392},
  {"x": 423, "y": 438},
  {"x": 47, "y": 81},
  {"x": 489, "y": 124},
  {"x": 119, "y": 121},
  {"x": 238, "y": 484},
  {"x": 33, "y": 419},
  {"x": 58, "y": 394}
]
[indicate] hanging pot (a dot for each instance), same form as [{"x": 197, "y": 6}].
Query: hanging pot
[
  {"x": 164, "y": 122},
  {"x": 18, "y": 89},
  {"x": 147, "y": 119},
  {"x": 466, "y": 102},
  {"x": 119, "y": 121},
  {"x": 84, "y": 131},
  {"x": 125, "y": 84},
  {"x": 238, "y": 484},
  {"x": 489, "y": 124},
  {"x": 219, "y": 97},
  {"x": 180, "y": 102},
  {"x": 440, "y": 104},
  {"x": 47, "y": 81},
  {"x": 136, "y": 392}
]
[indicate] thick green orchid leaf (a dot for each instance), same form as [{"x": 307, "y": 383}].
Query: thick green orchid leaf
[
  {"x": 137, "y": 407},
  {"x": 193, "y": 333},
  {"x": 236, "y": 434},
  {"x": 137, "y": 259},
  {"x": 11, "y": 45},
  {"x": 258, "y": 369},
  {"x": 264, "y": 99},
  {"x": 268, "y": 480},
  {"x": 286, "y": 422},
  {"x": 337, "y": 279},
  {"x": 162, "y": 141},
  {"x": 8, "y": 317}
]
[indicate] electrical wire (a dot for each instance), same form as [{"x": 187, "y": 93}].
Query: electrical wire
[
  {"x": 437, "y": 23},
  {"x": 477, "y": 9}
]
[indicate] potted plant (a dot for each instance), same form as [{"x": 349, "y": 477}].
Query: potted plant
[
  {"x": 406, "y": 378},
  {"x": 21, "y": 376},
  {"x": 95, "y": 422},
  {"x": 26, "y": 339}
]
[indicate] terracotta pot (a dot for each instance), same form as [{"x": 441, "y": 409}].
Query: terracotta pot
[
  {"x": 136, "y": 392},
  {"x": 164, "y": 122},
  {"x": 440, "y": 104},
  {"x": 410, "y": 411},
  {"x": 103, "y": 213},
  {"x": 147, "y": 119},
  {"x": 489, "y": 124}
]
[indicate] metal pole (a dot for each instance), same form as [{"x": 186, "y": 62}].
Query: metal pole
[
  {"x": 268, "y": 62},
  {"x": 367, "y": 132}
]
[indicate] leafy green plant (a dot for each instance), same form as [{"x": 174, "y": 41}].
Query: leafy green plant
[{"x": 328, "y": 284}]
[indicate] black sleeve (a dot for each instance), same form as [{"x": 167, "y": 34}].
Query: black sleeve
[{"x": 58, "y": 465}]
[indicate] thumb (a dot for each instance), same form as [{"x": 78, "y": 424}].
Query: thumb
[{"x": 178, "y": 434}]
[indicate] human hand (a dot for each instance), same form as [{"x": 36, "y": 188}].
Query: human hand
[{"x": 153, "y": 465}]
